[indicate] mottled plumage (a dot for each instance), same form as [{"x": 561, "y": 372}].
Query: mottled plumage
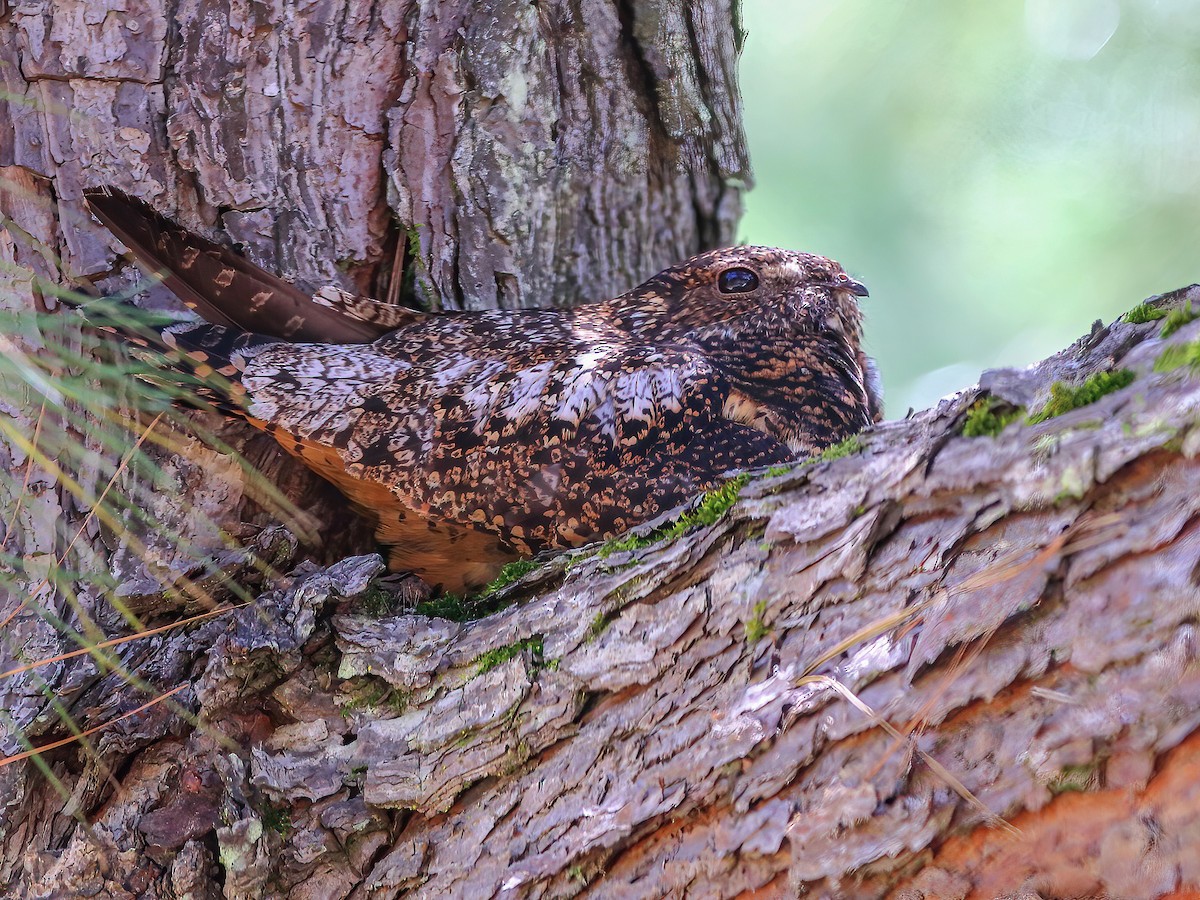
[{"x": 475, "y": 438}]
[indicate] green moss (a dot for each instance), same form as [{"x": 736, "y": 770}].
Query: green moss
[
  {"x": 756, "y": 628},
  {"x": 1177, "y": 318},
  {"x": 413, "y": 235},
  {"x": 1073, "y": 485},
  {"x": 443, "y": 606},
  {"x": 514, "y": 760},
  {"x": 987, "y": 417},
  {"x": 493, "y": 658},
  {"x": 1074, "y": 779},
  {"x": 510, "y": 574},
  {"x": 575, "y": 557},
  {"x": 714, "y": 505},
  {"x": 599, "y": 624},
  {"x": 707, "y": 512},
  {"x": 1177, "y": 356},
  {"x": 1143, "y": 313},
  {"x": 475, "y": 606},
  {"x": 842, "y": 448},
  {"x": 458, "y": 609},
  {"x": 754, "y": 531},
  {"x": 631, "y": 542},
  {"x": 277, "y": 819},
  {"x": 717, "y": 502},
  {"x": 1174, "y": 444},
  {"x": 1064, "y": 397},
  {"x": 376, "y": 602},
  {"x": 369, "y": 693}
]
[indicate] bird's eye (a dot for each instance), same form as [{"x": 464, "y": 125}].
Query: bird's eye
[{"x": 737, "y": 281}]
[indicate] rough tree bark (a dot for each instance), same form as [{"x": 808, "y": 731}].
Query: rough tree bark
[{"x": 711, "y": 716}]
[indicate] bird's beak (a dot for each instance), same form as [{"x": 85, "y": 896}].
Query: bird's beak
[{"x": 857, "y": 288}]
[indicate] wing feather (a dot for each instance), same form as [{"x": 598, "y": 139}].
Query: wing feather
[{"x": 549, "y": 449}]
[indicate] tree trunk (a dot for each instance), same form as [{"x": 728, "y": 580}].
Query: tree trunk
[{"x": 942, "y": 666}]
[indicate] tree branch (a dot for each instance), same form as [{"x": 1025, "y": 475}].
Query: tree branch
[{"x": 846, "y": 686}]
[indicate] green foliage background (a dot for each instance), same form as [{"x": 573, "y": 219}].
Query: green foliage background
[{"x": 999, "y": 174}]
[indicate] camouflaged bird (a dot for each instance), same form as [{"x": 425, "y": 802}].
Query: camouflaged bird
[{"x": 477, "y": 438}]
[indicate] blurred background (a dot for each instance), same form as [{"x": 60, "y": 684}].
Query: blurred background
[{"x": 999, "y": 174}]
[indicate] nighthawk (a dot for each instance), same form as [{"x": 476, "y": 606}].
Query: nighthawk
[{"x": 477, "y": 438}]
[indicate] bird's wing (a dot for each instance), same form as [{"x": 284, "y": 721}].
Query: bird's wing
[
  {"x": 226, "y": 288},
  {"x": 544, "y": 445}
]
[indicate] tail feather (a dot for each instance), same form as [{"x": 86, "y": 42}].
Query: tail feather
[
  {"x": 223, "y": 287},
  {"x": 381, "y": 317},
  {"x": 204, "y": 350},
  {"x": 200, "y": 363}
]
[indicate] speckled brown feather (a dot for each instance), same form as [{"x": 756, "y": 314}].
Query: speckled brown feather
[
  {"x": 475, "y": 438},
  {"x": 228, "y": 289}
]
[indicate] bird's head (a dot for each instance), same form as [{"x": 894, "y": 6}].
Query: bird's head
[
  {"x": 798, "y": 290},
  {"x": 741, "y": 297}
]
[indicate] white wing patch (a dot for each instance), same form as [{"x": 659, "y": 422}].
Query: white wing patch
[
  {"x": 641, "y": 391},
  {"x": 331, "y": 380},
  {"x": 525, "y": 394},
  {"x": 581, "y": 394},
  {"x": 483, "y": 389},
  {"x": 646, "y": 394},
  {"x": 453, "y": 369}
]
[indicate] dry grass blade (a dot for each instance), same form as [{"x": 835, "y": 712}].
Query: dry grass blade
[
  {"x": 86, "y": 448},
  {"x": 189, "y": 588},
  {"x": 1010, "y": 567},
  {"x": 114, "y": 642},
  {"x": 54, "y": 745},
  {"x": 16, "y": 511},
  {"x": 936, "y": 767},
  {"x": 870, "y": 632},
  {"x": 1087, "y": 532},
  {"x": 120, "y": 468}
]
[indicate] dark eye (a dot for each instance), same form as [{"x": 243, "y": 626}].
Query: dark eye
[{"x": 737, "y": 281}]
